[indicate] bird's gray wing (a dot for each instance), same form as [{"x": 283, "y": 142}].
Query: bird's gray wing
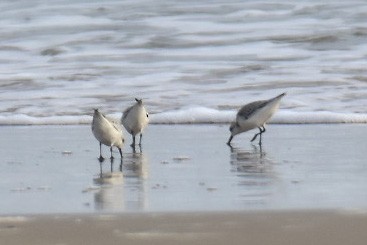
[
  {"x": 113, "y": 122},
  {"x": 124, "y": 114},
  {"x": 248, "y": 110},
  {"x": 116, "y": 125}
]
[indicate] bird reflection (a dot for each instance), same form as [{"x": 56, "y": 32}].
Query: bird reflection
[
  {"x": 243, "y": 159},
  {"x": 112, "y": 162},
  {"x": 135, "y": 165},
  {"x": 110, "y": 194},
  {"x": 140, "y": 148},
  {"x": 249, "y": 162},
  {"x": 256, "y": 177},
  {"x": 136, "y": 171}
]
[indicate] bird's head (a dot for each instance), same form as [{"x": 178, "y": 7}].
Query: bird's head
[
  {"x": 234, "y": 128},
  {"x": 139, "y": 101}
]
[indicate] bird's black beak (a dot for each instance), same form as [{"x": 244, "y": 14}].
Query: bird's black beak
[{"x": 229, "y": 140}]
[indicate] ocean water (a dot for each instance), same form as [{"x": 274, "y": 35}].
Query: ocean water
[{"x": 191, "y": 61}]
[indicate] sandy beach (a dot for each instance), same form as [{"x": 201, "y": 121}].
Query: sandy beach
[
  {"x": 305, "y": 185},
  {"x": 188, "y": 228}
]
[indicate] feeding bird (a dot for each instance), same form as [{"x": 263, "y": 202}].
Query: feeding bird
[
  {"x": 254, "y": 115},
  {"x": 135, "y": 119},
  {"x": 107, "y": 132}
]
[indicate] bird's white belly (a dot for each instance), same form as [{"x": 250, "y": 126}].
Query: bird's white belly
[
  {"x": 259, "y": 118},
  {"x": 264, "y": 114}
]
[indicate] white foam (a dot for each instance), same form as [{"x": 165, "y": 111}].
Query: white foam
[
  {"x": 197, "y": 115},
  {"x": 207, "y": 115},
  {"x": 22, "y": 119},
  {"x": 192, "y": 115},
  {"x": 289, "y": 117}
]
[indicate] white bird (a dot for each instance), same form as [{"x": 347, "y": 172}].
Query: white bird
[
  {"x": 107, "y": 132},
  {"x": 135, "y": 119},
  {"x": 254, "y": 115}
]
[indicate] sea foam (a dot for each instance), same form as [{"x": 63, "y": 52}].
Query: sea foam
[
  {"x": 196, "y": 115},
  {"x": 207, "y": 115}
]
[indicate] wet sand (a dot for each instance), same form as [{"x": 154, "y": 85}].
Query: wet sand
[
  {"x": 54, "y": 169},
  {"x": 305, "y": 185}
]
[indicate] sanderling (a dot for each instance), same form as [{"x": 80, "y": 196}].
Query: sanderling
[
  {"x": 107, "y": 132},
  {"x": 254, "y": 115},
  {"x": 135, "y": 119}
]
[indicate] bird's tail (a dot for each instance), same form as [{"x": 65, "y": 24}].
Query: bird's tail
[
  {"x": 280, "y": 96},
  {"x": 277, "y": 98}
]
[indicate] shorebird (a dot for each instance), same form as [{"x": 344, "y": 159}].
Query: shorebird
[
  {"x": 135, "y": 119},
  {"x": 254, "y": 115},
  {"x": 107, "y": 132}
]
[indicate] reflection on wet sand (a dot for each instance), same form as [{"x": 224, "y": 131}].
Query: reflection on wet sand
[
  {"x": 122, "y": 188},
  {"x": 135, "y": 165},
  {"x": 136, "y": 171},
  {"x": 255, "y": 171},
  {"x": 245, "y": 161},
  {"x": 111, "y": 177},
  {"x": 110, "y": 194}
]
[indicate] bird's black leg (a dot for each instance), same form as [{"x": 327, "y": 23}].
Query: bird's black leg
[
  {"x": 111, "y": 153},
  {"x": 100, "y": 152},
  {"x": 141, "y": 136},
  {"x": 120, "y": 167},
  {"x": 255, "y": 136},
  {"x": 112, "y": 165},
  {"x": 120, "y": 152},
  {"x": 262, "y": 130},
  {"x": 133, "y": 144}
]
